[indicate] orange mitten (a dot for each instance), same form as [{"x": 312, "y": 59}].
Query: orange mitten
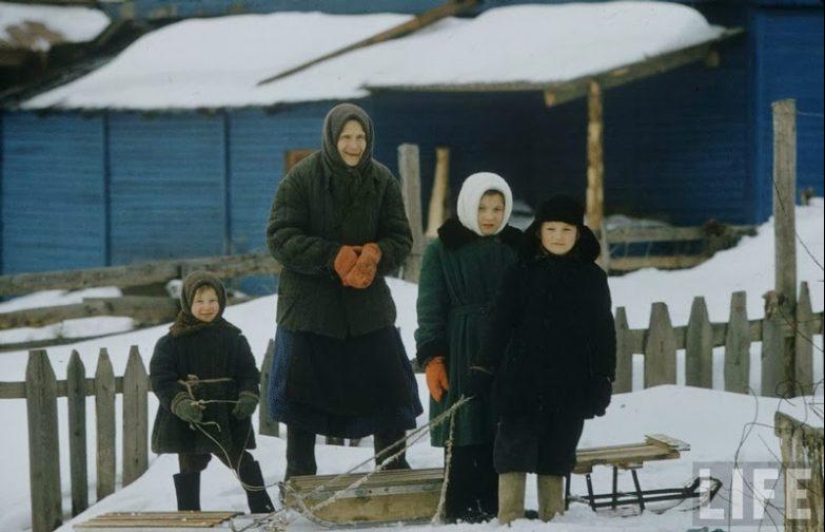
[
  {"x": 362, "y": 275},
  {"x": 437, "y": 381},
  {"x": 345, "y": 261}
]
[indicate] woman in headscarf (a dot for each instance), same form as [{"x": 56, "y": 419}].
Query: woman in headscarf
[{"x": 337, "y": 227}]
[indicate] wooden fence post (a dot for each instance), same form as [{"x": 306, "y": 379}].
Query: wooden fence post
[
  {"x": 266, "y": 426},
  {"x": 624, "y": 354},
  {"x": 660, "y": 348},
  {"x": 784, "y": 215},
  {"x": 76, "y": 397},
  {"x": 699, "y": 346},
  {"x": 774, "y": 383},
  {"x": 804, "y": 345},
  {"x": 439, "y": 207},
  {"x": 135, "y": 418},
  {"x": 105, "y": 413},
  {"x": 409, "y": 166},
  {"x": 737, "y": 346},
  {"x": 44, "y": 452}
]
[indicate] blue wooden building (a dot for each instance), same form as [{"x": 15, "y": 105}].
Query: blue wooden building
[{"x": 85, "y": 188}]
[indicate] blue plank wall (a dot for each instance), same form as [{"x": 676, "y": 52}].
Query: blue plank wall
[
  {"x": 168, "y": 186},
  {"x": 483, "y": 131},
  {"x": 258, "y": 141},
  {"x": 788, "y": 64},
  {"x": 52, "y": 194}
]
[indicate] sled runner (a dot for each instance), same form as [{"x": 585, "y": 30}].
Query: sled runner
[
  {"x": 156, "y": 521},
  {"x": 631, "y": 457}
]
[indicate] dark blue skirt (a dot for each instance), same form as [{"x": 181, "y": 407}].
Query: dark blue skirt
[{"x": 348, "y": 388}]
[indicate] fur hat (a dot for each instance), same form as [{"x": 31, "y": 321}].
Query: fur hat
[
  {"x": 472, "y": 190},
  {"x": 561, "y": 208},
  {"x": 193, "y": 282}
]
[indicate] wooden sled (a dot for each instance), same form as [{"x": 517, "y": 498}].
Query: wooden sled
[
  {"x": 632, "y": 457},
  {"x": 401, "y": 496},
  {"x": 159, "y": 521}
]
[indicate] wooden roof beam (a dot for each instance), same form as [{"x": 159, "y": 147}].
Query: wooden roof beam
[{"x": 579, "y": 87}]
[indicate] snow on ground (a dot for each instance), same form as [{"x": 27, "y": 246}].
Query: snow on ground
[
  {"x": 74, "y": 24},
  {"x": 218, "y": 62},
  {"x": 719, "y": 426}
]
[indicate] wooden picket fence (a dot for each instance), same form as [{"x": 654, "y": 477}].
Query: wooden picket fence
[
  {"x": 802, "y": 447},
  {"x": 41, "y": 390},
  {"x": 658, "y": 343},
  {"x": 661, "y": 340}
]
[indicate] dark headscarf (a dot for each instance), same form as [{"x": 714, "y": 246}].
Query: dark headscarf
[
  {"x": 561, "y": 208},
  {"x": 334, "y": 123},
  {"x": 186, "y": 323}
]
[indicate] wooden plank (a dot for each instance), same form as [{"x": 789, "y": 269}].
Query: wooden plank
[
  {"x": 135, "y": 418},
  {"x": 44, "y": 453},
  {"x": 624, "y": 354},
  {"x": 804, "y": 346},
  {"x": 631, "y": 235},
  {"x": 737, "y": 346},
  {"x": 409, "y": 167},
  {"x": 76, "y": 393},
  {"x": 137, "y": 274},
  {"x": 439, "y": 207},
  {"x": 774, "y": 383},
  {"x": 145, "y": 309},
  {"x": 17, "y": 390},
  {"x": 699, "y": 346},
  {"x": 423, "y": 20},
  {"x": 105, "y": 413},
  {"x": 784, "y": 198},
  {"x": 155, "y": 520},
  {"x": 660, "y": 349},
  {"x": 667, "y": 441},
  {"x": 595, "y": 157},
  {"x": 662, "y": 262},
  {"x": 267, "y": 427}
]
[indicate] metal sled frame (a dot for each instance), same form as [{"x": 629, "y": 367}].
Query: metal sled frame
[{"x": 632, "y": 457}]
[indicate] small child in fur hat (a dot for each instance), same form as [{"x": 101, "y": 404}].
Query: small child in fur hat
[
  {"x": 551, "y": 346},
  {"x": 206, "y": 381},
  {"x": 460, "y": 274}
]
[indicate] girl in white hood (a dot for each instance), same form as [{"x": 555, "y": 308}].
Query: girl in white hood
[{"x": 460, "y": 275}]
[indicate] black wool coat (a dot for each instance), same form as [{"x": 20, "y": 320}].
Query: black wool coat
[
  {"x": 213, "y": 352},
  {"x": 552, "y": 339}
]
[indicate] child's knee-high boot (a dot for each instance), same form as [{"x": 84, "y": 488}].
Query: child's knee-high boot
[
  {"x": 188, "y": 491},
  {"x": 256, "y": 495},
  {"x": 511, "y": 496},
  {"x": 383, "y": 440},
  {"x": 551, "y": 496}
]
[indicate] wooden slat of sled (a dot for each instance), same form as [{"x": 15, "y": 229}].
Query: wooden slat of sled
[
  {"x": 156, "y": 520},
  {"x": 387, "y": 496},
  {"x": 630, "y": 456}
]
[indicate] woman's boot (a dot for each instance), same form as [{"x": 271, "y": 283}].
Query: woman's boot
[
  {"x": 300, "y": 452},
  {"x": 256, "y": 495},
  {"x": 511, "y": 497},
  {"x": 551, "y": 496},
  {"x": 188, "y": 491}
]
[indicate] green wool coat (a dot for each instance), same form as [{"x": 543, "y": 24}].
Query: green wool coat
[
  {"x": 317, "y": 209},
  {"x": 460, "y": 276}
]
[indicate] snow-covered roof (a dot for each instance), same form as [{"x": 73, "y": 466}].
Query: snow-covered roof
[
  {"x": 38, "y": 27},
  {"x": 219, "y": 62}
]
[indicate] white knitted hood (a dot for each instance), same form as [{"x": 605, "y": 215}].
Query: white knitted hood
[{"x": 472, "y": 190}]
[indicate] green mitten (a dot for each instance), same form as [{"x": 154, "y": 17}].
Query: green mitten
[
  {"x": 187, "y": 409},
  {"x": 247, "y": 403}
]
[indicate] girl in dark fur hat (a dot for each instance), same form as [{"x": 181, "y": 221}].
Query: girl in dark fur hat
[
  {"x": 206, "y": 381},
  {"x": 551, "y": 347}
]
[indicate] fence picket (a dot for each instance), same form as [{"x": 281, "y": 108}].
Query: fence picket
[
  {"x": 44, "y": 454},
  {"x": 699, "y": 346},
  {"x": 76, "y": 395},
  {"x": 773, "y": 349},
  {"x": 135, "y": 418},
  {"x": 660, "y": 348},
  {"x": 804, "y": 343},
  {"x": 266, "y": 426},
  {"x": 105, "y": 413},
  {"x": 737, "y": 346},
  {"x": 624, "y": 354}
]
